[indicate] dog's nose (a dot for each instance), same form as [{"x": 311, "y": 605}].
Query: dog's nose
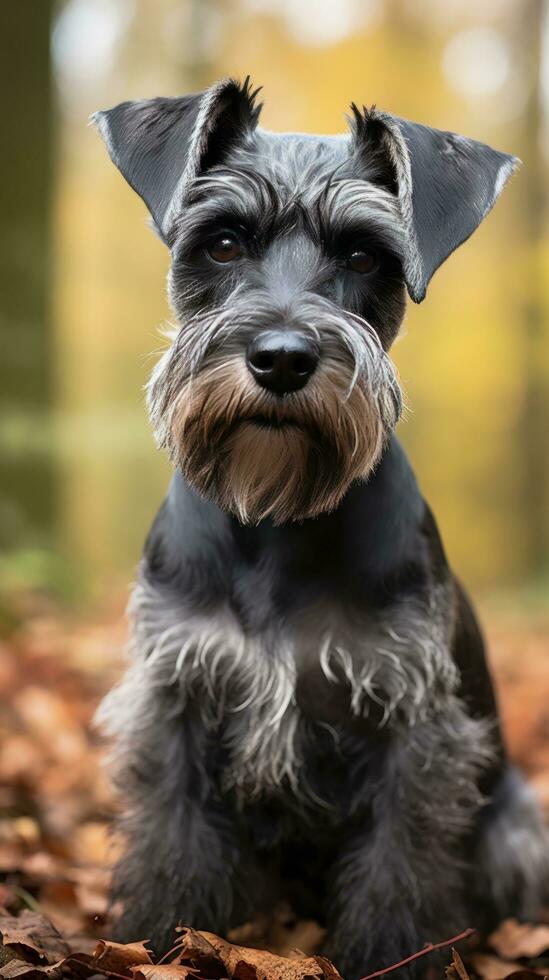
[{"x": 282, "y": 360}]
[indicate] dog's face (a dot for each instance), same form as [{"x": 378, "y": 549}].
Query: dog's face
[
  {"x": 290, "y": 259},
  {"x": 287, "y": 281}
]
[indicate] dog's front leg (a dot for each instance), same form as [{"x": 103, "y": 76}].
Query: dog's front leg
[
  {"x": 396, "y": 883},
  {"x": 179, "y": 851}
]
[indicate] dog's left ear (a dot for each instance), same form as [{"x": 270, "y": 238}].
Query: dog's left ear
[
  {"x": 446, "y": 185},
  {"x": 159, "y": 145}
]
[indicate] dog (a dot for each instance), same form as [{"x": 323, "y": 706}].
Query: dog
[{"x": 308, "y": 714}]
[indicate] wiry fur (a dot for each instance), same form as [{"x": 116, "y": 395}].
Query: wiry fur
[
  {"x": 202, "y": 675},
  {"x": 235, "y": 681},
  {"x": 407, "y": 670},
  {"x": 422, "y": 808},
  {"x": 512, "y": 853},
  {"x": 308, "y": 713},
  {"x": 204, "y": 403}
]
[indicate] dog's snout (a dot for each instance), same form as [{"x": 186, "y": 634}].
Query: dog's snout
[{"x": 282, "y": 360}]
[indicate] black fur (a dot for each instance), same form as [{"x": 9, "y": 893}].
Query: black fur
[{"x": 309, "y": 714}]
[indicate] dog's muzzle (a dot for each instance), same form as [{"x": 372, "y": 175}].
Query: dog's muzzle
[{"x": 270, "y": 421}]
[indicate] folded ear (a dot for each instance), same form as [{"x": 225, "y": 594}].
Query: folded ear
[
  {"x": 159, "y": 145},
  {"x": 446, "y": 185}
]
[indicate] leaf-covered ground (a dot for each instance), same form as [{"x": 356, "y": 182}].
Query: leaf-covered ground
[{"x": 55, "y": 806}]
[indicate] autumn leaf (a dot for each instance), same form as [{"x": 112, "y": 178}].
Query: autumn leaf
[
  {"x": 20, "y": 970},
  {"x": 220, "y": 958},
  {"x": 163, "y": 971},
  {"x": 457, "y": 968},
  {"x": 33, "y": 937},
  {"x": 513, "y": 940},
  {"x": 120, "y": 957}
]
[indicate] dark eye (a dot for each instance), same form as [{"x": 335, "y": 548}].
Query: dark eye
[
  {"x": 224, "y": 249},
  {"x": 362, "y": 261}
]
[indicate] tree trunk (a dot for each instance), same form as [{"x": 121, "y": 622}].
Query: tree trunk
[{"x": 26, "y": 488}]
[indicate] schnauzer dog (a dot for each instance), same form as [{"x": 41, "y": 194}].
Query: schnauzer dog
[{"x": 308, "y": 714}]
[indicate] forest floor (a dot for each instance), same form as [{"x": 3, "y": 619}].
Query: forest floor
[{"x": 55, "y": 806}]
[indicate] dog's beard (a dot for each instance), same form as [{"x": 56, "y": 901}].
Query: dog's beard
[{"x": 258, "y": 455}]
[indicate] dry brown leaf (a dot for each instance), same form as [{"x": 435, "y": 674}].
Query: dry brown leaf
[
  {"x": 120, "y": 957},
  {"x": 457, "y": 968},
  {"x": 66, "y": 918},
  {"x": 19, "y": 970},
  {"x": 207, "y": 951},
  {"x": 327, "y": 968},
  {"x": 163, "y": 971},
  {"x": 512, "y": 939},
  {"x": 33, "y": 937},
  {"x": 492, "y": 967},
  {"x": 74, "y": 966}
]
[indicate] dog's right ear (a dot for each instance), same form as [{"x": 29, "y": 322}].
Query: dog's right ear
[
  {"x": 445, "y": 183},
  {"x": 159, "y": 145}
]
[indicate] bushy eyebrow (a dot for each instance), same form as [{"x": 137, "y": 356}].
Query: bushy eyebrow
[
  {"x": 329, "y": 211},
  {"x": 226, "y": 197},
  {"x": 353, "y": 208}
]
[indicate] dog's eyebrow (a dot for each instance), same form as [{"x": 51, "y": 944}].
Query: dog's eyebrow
[
  {"x": 227, "y": 196},
  {"x": 329, "y": 210},
  {"x": 239, "y": 190},
  {"x": 352, "y": 207}
]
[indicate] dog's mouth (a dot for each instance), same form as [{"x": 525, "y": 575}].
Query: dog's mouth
[{"x": 271, "y": 422}]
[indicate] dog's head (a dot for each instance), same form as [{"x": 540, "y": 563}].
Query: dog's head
[{"x": 291, "y": 256}]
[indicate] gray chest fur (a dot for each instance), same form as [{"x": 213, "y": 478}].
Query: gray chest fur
[{"x": 260, "y": 690}]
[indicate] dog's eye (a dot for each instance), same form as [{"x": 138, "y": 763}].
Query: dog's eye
[
  {"x": 362, "y": 261},
  {"x": 224, "y": 249}
]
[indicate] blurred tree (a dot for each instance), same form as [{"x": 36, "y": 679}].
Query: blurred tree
[
  {"x": 199, "y": 64},
  {"x": 26, "y": 489},
  {"x": 533, "y": 423}
]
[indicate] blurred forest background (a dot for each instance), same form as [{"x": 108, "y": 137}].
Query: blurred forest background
[{"x": 82, "y": 278}]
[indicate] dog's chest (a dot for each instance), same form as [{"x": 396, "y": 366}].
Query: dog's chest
[
  {"x": 286, "y": 701},
  {"x": 277, "y": 692},
  {"x": 265, "y": 693}
]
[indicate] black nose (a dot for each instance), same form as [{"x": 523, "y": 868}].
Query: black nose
[{"x": 281, "y": 360}]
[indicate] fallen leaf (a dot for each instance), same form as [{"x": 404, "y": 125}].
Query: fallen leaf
[
  {"x": 19, "y": 970},
  {"x": 119, "y": 957},
  {"x": 33, "y": 936},
  {"x": 75, "y": 965},
  {"x": 163, "y": 971},
  {"x": 513, "y": 940},
  {"x": 492, "y": 967},
  {"x": 457, "y": 967},
  {"x": 220, "y": 958}
]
